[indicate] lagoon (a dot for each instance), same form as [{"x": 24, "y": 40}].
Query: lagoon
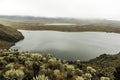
[{"x": 69, "y": 45}]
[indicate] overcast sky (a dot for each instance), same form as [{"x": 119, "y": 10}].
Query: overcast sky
[{"x": 105, "y": 9}]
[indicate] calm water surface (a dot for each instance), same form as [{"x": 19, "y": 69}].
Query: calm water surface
[
  {"x": 69, "y": 45},
  {"x": 60, "y": 24}
]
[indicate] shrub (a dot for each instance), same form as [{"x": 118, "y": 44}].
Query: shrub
[
  {"x": 14, "y": 74},
  {"x": 40, "y": 77}
]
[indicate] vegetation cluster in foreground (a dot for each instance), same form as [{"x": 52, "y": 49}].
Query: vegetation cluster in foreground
[{"x": 16, "y": 65}]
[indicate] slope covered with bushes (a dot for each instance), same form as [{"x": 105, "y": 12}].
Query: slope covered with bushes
[
  {"x": 106, "y": 65},
  {"x": 32, "y": 66}
]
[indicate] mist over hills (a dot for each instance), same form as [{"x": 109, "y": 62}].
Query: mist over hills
[
  {"x": 33, "y": 18},
  {"x": 101, "y": 22}
]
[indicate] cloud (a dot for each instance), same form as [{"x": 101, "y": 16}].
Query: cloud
[{"x": 62, "y": 8}]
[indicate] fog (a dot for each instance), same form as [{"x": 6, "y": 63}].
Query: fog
[{"x": 103, "y": 9}]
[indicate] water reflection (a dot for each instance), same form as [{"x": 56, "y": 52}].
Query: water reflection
[{"x": 70, "y": 45}]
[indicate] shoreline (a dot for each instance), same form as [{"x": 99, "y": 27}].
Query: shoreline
[{"x": 64, "y": 31}]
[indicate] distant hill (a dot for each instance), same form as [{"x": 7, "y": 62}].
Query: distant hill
[
  {"x": 8, "y": 36},
  {"x": 32, "y": 18},
  {"x": 38, "y": 23},
  {"x": 98, "y": 22}
]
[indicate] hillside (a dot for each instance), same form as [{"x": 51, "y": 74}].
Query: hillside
[
  {"x": 105, "y": 64},
  {"x": 8, "y": 36}
]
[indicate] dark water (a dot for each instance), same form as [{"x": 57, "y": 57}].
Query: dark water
[{"x": 70, "y": 45}]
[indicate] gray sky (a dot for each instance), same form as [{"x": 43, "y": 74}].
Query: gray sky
[{"x": 108, "y": 9}]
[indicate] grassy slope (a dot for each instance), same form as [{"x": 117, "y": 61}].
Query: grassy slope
[
  {"x": 8, "y": 36},
  {"x": 105, "y": 64}
]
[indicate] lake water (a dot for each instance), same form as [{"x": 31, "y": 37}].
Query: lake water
[
  {"x": 69, "y": 45},
  {"x": 61, "y": 24}
]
